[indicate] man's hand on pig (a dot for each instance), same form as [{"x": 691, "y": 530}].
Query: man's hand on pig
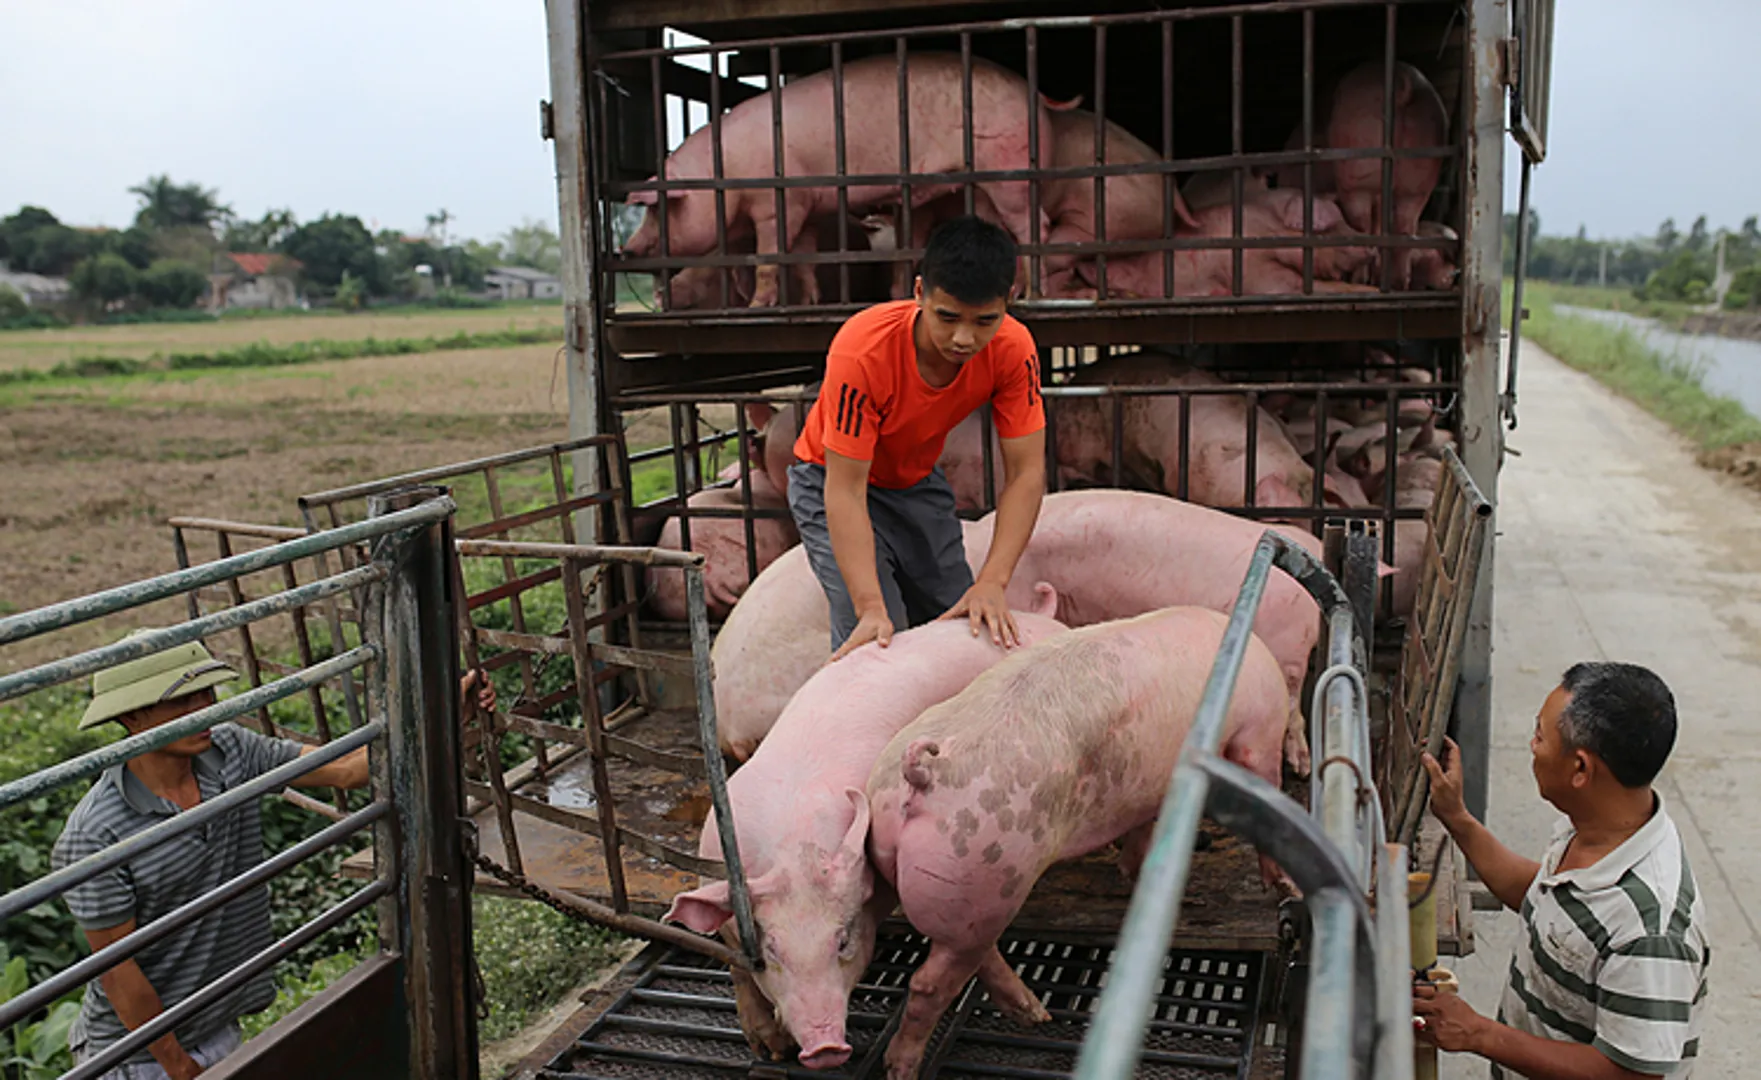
[{"x": 984, "y": 606}]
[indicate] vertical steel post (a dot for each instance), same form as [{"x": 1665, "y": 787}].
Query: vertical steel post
[
  {"x": 1482, "y": 435},
  {"x": 420, "y": 688},
  {"x": 579, "y": 220}
]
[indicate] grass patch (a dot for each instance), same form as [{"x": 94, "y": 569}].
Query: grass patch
[
  {"x": 1668, "y": 387},
  {"x": 263, "y": 354},
  {"x": 530, "y": 957},
  {"x": 1669, "y": 312}
]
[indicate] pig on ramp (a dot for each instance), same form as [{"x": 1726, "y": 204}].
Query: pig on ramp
[
  {"x": 1105, "y": 554},
  {"x": 1057, "y": 751},
  {"x": 802, "y": 821}
]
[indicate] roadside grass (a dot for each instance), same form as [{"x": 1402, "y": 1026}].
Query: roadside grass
[
  {"x": 1607, "y": 298},
  {"x": 1669, "y": 387}
]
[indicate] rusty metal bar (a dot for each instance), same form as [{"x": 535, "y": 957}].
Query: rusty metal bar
[
  {"x": 1386, "y": 217},
  {"x": 236, "y": 593},
  {"x": 1034, "y": 282},
  {"x": 593, "y": 721},
  {"x": 1064, "y": 172},
  {"x": 681, "y": 486},
  {"x": 841, "y": 164},
  {"x": 744, "y": 445},
  {"x": 903, "y": 237},
  {"x": 1308, "y": 146},
  {"x": 1237, "y": 90},
  {"x": 717, "y": 171},
  {"x": 585, "y": 554},
  {"x": 1251, "y": 460},
  {"x": 1169, "y": 188},
  {"x": 1009, "y": 25},
  {"x": 1184, "y": 487},
  {"x": 776, "y": 149},
  {"x": 236, "y": 528},
  {"x": 443, "y": 472},
  {"x": 966, "y": 113},
  {"x": 663, "y": 284},
  {"x": 1100, "y": 160}
]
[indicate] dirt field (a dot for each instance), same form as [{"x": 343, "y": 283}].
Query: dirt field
[
  {"x": 93, "y": 468},
  {"x": 45, "y": 348}
]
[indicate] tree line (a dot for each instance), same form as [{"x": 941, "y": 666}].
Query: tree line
[
  {"x": 162, "y": 260},
  {"x": 1668, "y": 265}
]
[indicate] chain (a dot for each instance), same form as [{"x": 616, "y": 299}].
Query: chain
[{"x": 536, "y": 892}]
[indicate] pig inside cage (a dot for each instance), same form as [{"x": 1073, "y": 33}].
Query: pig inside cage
[
  {"x": 1291, "y": 435},
  {"x": 1251, "y": 154}
]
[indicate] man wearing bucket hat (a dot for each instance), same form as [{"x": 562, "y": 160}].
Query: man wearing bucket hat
[{"x": 141, "y": 695}]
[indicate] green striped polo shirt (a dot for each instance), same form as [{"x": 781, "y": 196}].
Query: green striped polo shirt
[
  {"x": 1615, "y": 953},
  {"x": 170, "y": 875}
]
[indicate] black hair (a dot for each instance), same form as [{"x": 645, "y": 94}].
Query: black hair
[
  {"x": 969, "y": 259},
  {"x": 1622, "y": 713}
]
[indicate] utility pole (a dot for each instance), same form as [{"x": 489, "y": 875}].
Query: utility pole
[{"x": 1602, "y": 274}]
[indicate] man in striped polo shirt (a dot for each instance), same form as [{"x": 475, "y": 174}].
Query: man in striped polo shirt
[
  {"x": 141, "y": 695},
  {"x": 1610, "y": 976}
]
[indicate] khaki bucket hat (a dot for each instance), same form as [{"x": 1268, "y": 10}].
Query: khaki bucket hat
[{"x": 163, "y": 676}]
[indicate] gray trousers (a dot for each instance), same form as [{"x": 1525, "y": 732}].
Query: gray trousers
[
  {"x": 919, "y": 548},
  {"x": 207, "y": 1052}
]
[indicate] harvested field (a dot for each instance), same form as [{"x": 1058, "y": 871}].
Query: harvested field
[{"x": 94, "y": 467}]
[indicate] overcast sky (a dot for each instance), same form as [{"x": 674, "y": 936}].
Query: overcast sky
[{"x": 392, "y": 109}]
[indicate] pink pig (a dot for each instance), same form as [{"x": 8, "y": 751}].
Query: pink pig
[
  {"x": 1000, "y": 119},
  {"x": 1264, "y": 271},
  {"x": 1054, "y": 753},
  {"x": 1104, "y": 552},
  {"x": 802, "y": 821}
]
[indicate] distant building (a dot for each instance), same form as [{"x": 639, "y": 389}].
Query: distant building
[
  {"x": 244, "y": 279},
  {"x": 37, "y": 289},
  {"x": 521, "y": 283}
]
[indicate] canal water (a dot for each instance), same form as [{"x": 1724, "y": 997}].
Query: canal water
[{"x": 1727, "y": 366}]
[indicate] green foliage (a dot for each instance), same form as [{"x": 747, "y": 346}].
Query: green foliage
[
  {"x": 264, "y": 354},
  {"x": 35, "y": 732},
  {"x": 301, "y": 984},
  {"x": 170, "y": 283},
  {"x": 1669, "y": 387},
  {"x": 168, "y": 205},
  {"x": 12, "y": 305},
  {"x": 350, "y": 293},
  {"x": 1745, "y": 290},
  {"x": 134, "y": 244},
  {"x": 265, "y": 234},
  {"x": 333, "y": 245},
  {"x": 535, "y": 244},
  {"x": 530, "y": 956},
  {"x": 104, "y": 278},
  {"x": 1686, "y": 277},
  {"x": 34, "y": 241},
  {"x": 35, "y": 1049}
]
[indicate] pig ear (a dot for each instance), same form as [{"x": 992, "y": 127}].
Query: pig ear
[
  {"x": 1273, "y": 491},
  {"x": 703, "y": 910},
  {"x": 1045, "y": 600},
  {"x": 853, "y": 852},
  {"x": 759, "y": 413}
]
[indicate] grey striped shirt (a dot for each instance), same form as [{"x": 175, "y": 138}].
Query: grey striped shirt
[
  {"x": 157, "y": 881},
  {"x": 1616, "y": 953}
]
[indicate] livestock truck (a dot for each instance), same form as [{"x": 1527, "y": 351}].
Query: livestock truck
[{"x": 588, "y": 787}]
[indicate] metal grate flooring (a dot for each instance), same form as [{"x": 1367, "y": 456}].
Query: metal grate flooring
[{"x": 678, "y": 1021}]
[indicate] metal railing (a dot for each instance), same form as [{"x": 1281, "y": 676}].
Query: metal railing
[
  {"x": 1358, "y": 1013},
  {"x": 643, "y": 87},
  {"x": 406, "y": 654}
]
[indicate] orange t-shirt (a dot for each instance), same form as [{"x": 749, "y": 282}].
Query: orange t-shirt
[{"x": 874, "y": 405}]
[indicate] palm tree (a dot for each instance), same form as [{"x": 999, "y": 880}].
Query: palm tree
[{"x": 167, "y": 205}]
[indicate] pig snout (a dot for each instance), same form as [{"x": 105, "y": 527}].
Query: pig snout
[{"x": 826, "y": 1051}]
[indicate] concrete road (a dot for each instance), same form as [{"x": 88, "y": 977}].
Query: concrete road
[{"x": 1614, "y": 545}]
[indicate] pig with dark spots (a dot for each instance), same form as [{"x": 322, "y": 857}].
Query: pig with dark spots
[
  {"x": 802, "y": 819},
  {"x": 1117, "y": 554},
  {"x": 1081, "y": 732}
]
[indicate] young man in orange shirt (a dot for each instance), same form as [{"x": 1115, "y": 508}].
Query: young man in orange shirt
[{"x": 875, "y": 513}]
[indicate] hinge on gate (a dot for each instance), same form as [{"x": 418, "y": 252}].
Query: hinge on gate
[
  {"x": 1510, "y": 59},
  {"x": 546, "y": 121}
]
